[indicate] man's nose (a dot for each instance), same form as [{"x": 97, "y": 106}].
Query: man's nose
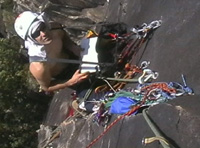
[{"x": 42, "y": 33}]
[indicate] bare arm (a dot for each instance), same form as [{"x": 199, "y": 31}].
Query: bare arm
[
  {"x": 42, "y": 74},
  {"x": 76, "y": 78}
]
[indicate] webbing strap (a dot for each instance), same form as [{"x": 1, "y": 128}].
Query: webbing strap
[
  {"x": 119, "y": 79},
  {"x": 36, "y": 59},
  {"x": 59, "y": 60}
]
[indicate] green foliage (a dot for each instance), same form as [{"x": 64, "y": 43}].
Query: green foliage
[
  {"x": 21, "y": 108},
  {"x": 9, "y": 66},
  {"x": 20, "y": 112},
  {"x": 8, "y": 16}
]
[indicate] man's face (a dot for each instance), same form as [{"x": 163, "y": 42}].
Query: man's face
[{"x": 42, "y": 34}]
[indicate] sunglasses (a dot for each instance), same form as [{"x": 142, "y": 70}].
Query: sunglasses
[{"x": 41, "y": 27}]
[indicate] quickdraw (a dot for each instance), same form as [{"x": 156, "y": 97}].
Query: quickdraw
[
  {"x": 142, "y": 32},
  {"x": 118, "y": 83},
  {"x": 132, "y": 70},
  {"x": 147, "y": 75},
  {"x": 128, "y": 52}
]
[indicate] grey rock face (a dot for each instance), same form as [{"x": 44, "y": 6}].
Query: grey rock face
[
  {"x": 77, "y": 16},
  {"x": 177, "y": 37}
]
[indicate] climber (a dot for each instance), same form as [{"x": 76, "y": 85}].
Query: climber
[{"x": 45, "y": 39}]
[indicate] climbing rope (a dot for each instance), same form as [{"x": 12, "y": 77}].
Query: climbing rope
[
  {"x": 148, "y": 90},
  {"x": 163, "y": 86},
  {"x": 159, "y": 136},
  {"x": 112, "y": 124},
  {"x": 135, "y": 108}
]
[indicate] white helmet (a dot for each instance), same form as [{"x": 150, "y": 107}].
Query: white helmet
[{"x": 23, "y": 23}]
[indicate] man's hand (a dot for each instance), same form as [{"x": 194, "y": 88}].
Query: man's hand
[{"x": 78, "y": 77}]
